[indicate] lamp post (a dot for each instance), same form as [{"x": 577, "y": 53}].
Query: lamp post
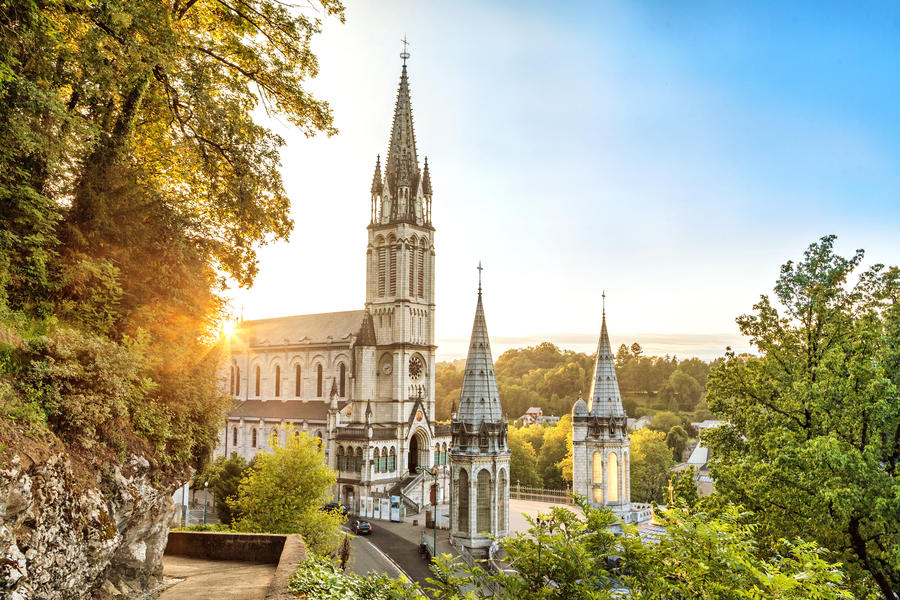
[
  {"x": 433, "y": 472},
  {"x": 205, "y": 499}
]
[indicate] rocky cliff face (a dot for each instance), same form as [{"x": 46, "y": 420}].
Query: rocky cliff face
[{"x": 64, "y": 538}]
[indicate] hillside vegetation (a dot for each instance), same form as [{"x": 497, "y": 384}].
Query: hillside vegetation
[{"x": 551, "y": 378}]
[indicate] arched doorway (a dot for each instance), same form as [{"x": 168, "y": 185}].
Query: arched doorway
[
  {"x": 349, "y": 498},
  {"x": 418, "y": 451},
  {"x": 413, "y": 453}
]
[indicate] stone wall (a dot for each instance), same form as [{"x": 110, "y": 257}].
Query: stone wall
[{"x": 64, "y": 536}]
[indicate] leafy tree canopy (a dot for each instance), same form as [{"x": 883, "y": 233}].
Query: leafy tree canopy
[{"x": 812, "y": 443}]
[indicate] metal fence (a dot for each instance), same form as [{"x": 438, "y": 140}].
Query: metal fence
[{"x": 523, "y": 492}]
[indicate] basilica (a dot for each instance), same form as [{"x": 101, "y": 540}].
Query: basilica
[{"x": 362, "y": 381}]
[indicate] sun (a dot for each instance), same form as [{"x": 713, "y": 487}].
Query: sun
[{"x": 228, "y": 328}]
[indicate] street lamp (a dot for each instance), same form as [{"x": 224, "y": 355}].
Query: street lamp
[
  {"x": 205, "y": 499},
  {"x": 433, "y": 472},
  {"x": 542, "y": 523}
]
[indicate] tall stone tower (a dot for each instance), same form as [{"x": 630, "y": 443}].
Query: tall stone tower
[
  {"x": 601, "y": 447},
  {"x": 479, "y": 459},
  {"x": 400, "y": 275}
]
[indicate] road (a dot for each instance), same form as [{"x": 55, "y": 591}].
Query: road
[{"x": 369, "y": 554}]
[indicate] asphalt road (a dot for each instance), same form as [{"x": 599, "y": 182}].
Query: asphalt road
[{"x": 367, "y": 555}]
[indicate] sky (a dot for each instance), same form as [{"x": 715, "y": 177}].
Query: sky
[{"x": 671, "y": 154}]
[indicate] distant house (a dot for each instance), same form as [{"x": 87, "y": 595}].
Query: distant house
[
  {"x": 707, "y": 424},
  {"x": 635, "y": 424},
  {"x": 536, "y": 415}
]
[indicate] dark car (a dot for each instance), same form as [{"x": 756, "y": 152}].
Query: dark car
[
  {"x": 335, "y": 506},
  {"x": 360, "y": 527}
]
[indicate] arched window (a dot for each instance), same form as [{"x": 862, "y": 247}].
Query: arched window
[
  {"x": 501, "y": 505},
  {"x": 343, "y": 380},
  {"x": 392, "y": 460},
  {"x": 257, "y": 381},
  {"x": 231, "y": 382},
  {"x": 597, "y": 477},
  {"x": 612, "y": 477},
  {"x": 237, "y": 381},
  {"x": 319, "y": 381},
  {"x": 392, "y": 250},
  {"x": 483, "y": 506},
  {"x": 359, "y": 459},
  {"x": 253, "y": 438},
  {"x": 437, "y": 454},
  {"x": 420, "y": 270},
  {"x": 382, "y": 266},
  {"x": 234, "y": 436},
  {"x": 384, "y": 459},
  {"x": 444, "y": 453},
  {"x": 462, "y": 501},
  {"x": 412, "y": 266},
  {"x": 298, "y": 383},
  {"x": 319, "y": 435},
  {"x": 277, "y": 381}
]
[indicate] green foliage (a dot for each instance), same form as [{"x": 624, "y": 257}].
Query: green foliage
[
  {"x": 684, "y": 488},
  {"x": 523, "y": 468},
  {"x": 133, "y": 181},
  {"x": 813, "y": 423},
  {"x": 664, "y": 421},
  {"x": 319, "y": 579},
  {"x": 565, "y": 555},
  {"x": 677, "y": 439},
  {"x": 651, "y": 460},
  {"x": 223, "y": 477},
  {"x": 283, "y": 490}
]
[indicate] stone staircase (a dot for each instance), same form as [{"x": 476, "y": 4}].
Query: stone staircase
[{"x": 410, "y": 492}]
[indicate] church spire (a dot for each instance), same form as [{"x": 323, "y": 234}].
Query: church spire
[
  {"x": 479, "y": 401},
  {"x": 605, "y": 399},
  {"x": 401, "y": 167},
  {"x": 426, "y": 180}
]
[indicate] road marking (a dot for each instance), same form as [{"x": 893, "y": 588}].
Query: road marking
[{"x": 383, "y": 555}]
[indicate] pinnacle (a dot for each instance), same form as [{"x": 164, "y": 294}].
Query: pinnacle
[{"x": 479, "y": 400}]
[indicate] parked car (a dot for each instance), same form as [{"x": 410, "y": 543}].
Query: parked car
[
  {"x": 335, "y": 506},
  {"x": 360, "y": 527}
]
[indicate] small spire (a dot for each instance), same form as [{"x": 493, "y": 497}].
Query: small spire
[
  {"x": 603, "y": 295},
  {"x": 377, "y": 184},
  {"x": 426, "y": 179}
]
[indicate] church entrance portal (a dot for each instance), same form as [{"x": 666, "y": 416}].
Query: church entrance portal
[
  {"x": 418, "y": 452},
  {"x": 413, "y": 453}
]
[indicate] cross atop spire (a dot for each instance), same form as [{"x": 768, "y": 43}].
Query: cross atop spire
[
  {"x": 404, "y": 55},
  {"x": 603, "y": 295},
  {"x": 480, "y": 269}
]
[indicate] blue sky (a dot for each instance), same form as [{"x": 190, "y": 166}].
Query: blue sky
[{"x": 674, "y": 154}]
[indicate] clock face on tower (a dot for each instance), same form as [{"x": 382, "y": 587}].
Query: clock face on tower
[{"x": 416, "y": 368}]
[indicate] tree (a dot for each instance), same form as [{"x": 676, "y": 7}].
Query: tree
[
  {"x": 664, "y": 421},
  {"x": 283, "y": 491},
  {"x": 684, "y": 487},
  {"x": 812, "y": 439},
  {"x": 557, "y": 442},
  {"x": 677, "y": 439},
  {"x": 703, "y": 556},
  {"x": 651, "y": 460},
  {"x": 636, "y": 349},
  {"x": 522, "y": 460},
  {"x": 223, "y": 476}
]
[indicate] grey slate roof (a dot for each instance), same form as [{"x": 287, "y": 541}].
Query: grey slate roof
[
  {"x": 479, "y": 401},
  {"x": 605, "y": 399},
  {"x": 335, "y": 327},
  {"x": 277, "y": 409}
]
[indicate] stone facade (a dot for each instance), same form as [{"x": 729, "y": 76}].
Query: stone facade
[
  {"x": 479, "y": 456},
  {"x": 601, "y": 448},
  {"x": 362, "y": 381}
]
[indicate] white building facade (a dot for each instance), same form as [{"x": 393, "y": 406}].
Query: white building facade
[
  {"x": 362, "y": 381},
  {"x": 479, "y": 456}
]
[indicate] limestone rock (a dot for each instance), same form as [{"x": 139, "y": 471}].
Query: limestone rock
[{"x": 62, "y": 539}]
